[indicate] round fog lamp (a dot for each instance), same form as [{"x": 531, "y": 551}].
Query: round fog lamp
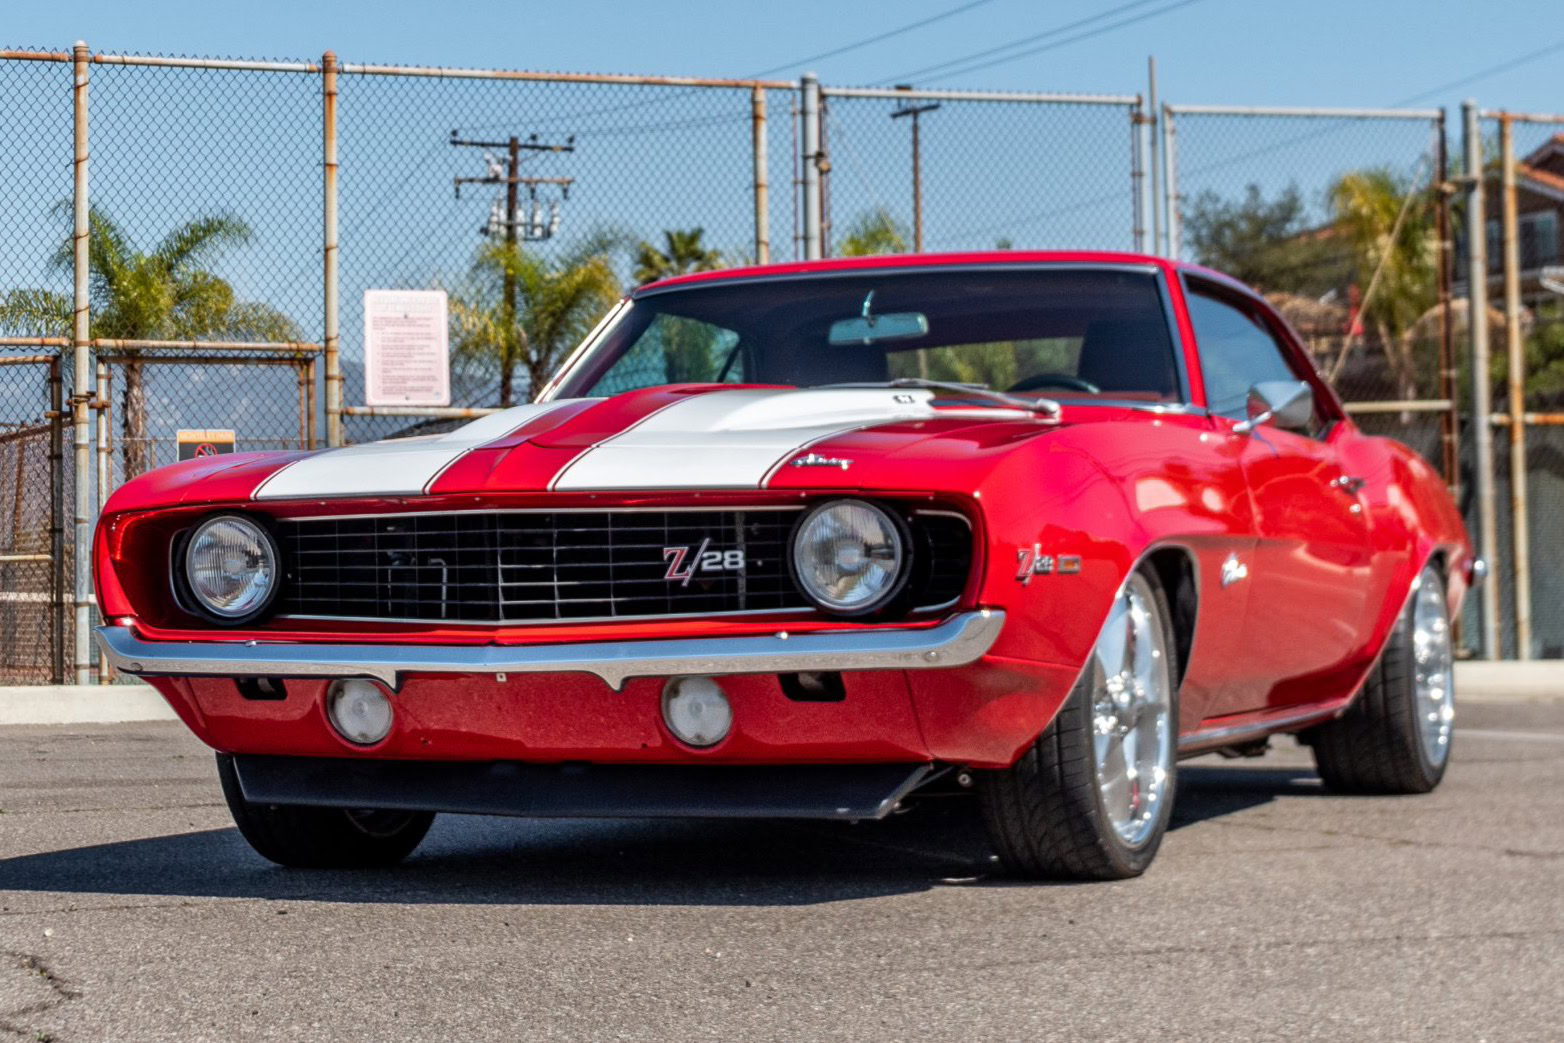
[
  {"x": 359, "y": 710},
  {"x": 697, "y": 711}
]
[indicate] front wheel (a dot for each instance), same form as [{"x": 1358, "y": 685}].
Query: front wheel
[
  {"x": 1395, "y": 738},
  {"x": 322, "y": 838},
  {"x": 1090, "y": 800}
]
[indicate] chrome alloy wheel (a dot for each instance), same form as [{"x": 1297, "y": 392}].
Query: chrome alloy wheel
[
  {"x": 1432, "y": 660},
  {"x": 1132, "y": 713}
]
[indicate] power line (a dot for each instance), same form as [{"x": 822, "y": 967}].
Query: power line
[
  {"x": 1338, "y": 125},
  {"x": 1483, "y": 74},
  {"x": 1077, "y": 38},
  {"x": 908, "y": 77},
  {"x": 866, "y": 41},
  {"x": 672, "y": 95}
]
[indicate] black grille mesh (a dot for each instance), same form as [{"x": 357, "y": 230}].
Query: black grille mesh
[{"x": 517, "y": 567}]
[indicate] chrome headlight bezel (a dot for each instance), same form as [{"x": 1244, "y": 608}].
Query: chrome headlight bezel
[
  {"x": 190, "y": 593},
  {"x": 900, "y": 538}
]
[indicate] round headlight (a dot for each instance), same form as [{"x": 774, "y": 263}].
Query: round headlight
[
  {"x": 231, "y": 567},
  {"x": 849, "y": 557}
]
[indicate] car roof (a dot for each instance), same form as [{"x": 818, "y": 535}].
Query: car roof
[{"x": 898, "y": 262}]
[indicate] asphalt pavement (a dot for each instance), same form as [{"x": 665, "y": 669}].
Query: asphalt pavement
[{"x": 131, "y": 910}]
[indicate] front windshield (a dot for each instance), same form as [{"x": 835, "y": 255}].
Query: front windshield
[{"x": 1060, "y": 332}]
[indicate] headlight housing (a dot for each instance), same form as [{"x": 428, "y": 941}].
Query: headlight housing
[
  {"x": 850, "y": 557},
  {"x": 231, "y": 568}
]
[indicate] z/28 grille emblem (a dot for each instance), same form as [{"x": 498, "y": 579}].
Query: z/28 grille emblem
[{"x": 682, "y": 565}]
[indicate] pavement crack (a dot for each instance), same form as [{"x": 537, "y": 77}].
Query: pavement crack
[{"x": 13, "y": 1021}]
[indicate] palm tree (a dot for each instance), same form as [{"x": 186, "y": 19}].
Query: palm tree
[
  {"x": 1388, "y": 224},
  {"x": 682, "y": 253},
  {"x": 166, "y": 293},
  {"x": 557, "y": 304},
  {"x": 874, "y": 232}
]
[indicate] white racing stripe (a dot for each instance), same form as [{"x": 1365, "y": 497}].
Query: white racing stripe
[
  {"x": 734, "y": 439},
  {"x": 397, "y": 467}
]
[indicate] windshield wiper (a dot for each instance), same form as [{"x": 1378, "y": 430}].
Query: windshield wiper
[{"x": 1032, "y": 405}]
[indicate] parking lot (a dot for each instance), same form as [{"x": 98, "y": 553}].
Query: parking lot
[{"x": 130, "y": 910}]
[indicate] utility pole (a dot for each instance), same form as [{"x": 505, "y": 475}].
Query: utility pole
[
  {"x": 510, "y": 177},
  {"x": 914, "y": 111}
]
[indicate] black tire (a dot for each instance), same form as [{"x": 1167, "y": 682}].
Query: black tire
[
  {"x": 322, "y": 838},
  {"x": 1044, "y": 815},
  {"x": 1376, "y": 747}
]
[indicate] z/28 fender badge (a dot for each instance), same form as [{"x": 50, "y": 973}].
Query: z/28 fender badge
[{"x": 1031, "y": 561}]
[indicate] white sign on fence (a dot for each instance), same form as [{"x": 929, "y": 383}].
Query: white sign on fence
[{"x": 406, "y": 351}]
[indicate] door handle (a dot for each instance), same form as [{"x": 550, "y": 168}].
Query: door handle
[{"x": 1348, "y": 484}]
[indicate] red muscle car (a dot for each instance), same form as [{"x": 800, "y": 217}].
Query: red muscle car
[{"x": 802, "y": 541}]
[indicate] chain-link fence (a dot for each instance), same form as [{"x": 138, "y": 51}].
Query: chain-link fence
[
  {"x": 32, "y": 499},
  {"x": 1510, "y": 235},
  {"x": 1338, "y": 218},
  {"x": 914, "y": 170},
  {"x": 438, "y": 164},
  {"x": 240, "y": 209}
]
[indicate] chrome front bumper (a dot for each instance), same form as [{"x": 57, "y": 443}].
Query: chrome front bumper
[{"x": 956, "y": 642}]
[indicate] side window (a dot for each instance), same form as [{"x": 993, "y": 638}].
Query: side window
[{"x": 1237, "y": 351}]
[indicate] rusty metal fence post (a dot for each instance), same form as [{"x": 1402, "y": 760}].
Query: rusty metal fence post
[
  {"x": 1138, "y": 137},
  {"x": 1450, "y": 423},
  {"x": 1515, "y": 355},
  {"x": 1173, "y": 245},
  {"x": 810, "y": 108},
  {"x": 330, "y": 334},
  {"x": 81, "y": 397},
  {"x": 1482, "y": 389},
  {"x": 56, "y": 522},
  {"x": 757, "y": 104},
  {"x": 102, "y": 406}
]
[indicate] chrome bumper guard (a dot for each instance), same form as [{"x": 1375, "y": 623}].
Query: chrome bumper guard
[{"x": 958, "y": 641}]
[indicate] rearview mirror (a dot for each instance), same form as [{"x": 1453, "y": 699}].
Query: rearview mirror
[
  {"x": 1287, "y": 404},
  {"x": 871, "y": 329}
]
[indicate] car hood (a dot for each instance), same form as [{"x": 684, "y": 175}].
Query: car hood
[{"x": 660, "y": 439}]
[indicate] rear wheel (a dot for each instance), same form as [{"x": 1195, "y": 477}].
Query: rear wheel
[
  {"x": 1090, "y": 800},
  {"x": 322, "y": 838},
  {"x": 1395, "y": 738}
]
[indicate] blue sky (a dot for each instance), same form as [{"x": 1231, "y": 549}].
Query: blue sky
[
  {"x": 1326, "y": 52},
  {"x": 168, "y": 145}
]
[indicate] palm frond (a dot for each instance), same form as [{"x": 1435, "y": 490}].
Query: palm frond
[
  {"x": 196, "y": 240},
  {"x": 35, "y": 313},
  {"x": 252, "y": 320}
]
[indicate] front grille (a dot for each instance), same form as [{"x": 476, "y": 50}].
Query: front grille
[
  {"x": 521, "y": 567},
  {"x": 541, "y": 566}
]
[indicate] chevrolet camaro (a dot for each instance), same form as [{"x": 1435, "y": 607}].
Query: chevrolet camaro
[{"x": 810, "y": 541}]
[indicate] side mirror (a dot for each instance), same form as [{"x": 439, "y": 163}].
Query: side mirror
[{"x": 1287, "y": 404}]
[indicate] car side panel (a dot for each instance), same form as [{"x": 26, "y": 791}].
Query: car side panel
[{"x": 1109, "y": 494}]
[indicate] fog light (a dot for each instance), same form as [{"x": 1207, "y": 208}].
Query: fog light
[
  {"x": 359, "y": 710},
  {"x": 697, "y": 711}
]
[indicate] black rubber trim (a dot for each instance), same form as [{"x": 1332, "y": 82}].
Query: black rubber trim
[{"x": 827, "y": 791}]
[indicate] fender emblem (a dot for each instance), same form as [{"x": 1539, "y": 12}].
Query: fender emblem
[
  {"x": 1233, "y": 570},
  {"x": 1031, "y": 561},
  {"x": 816, "y": 460}
]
